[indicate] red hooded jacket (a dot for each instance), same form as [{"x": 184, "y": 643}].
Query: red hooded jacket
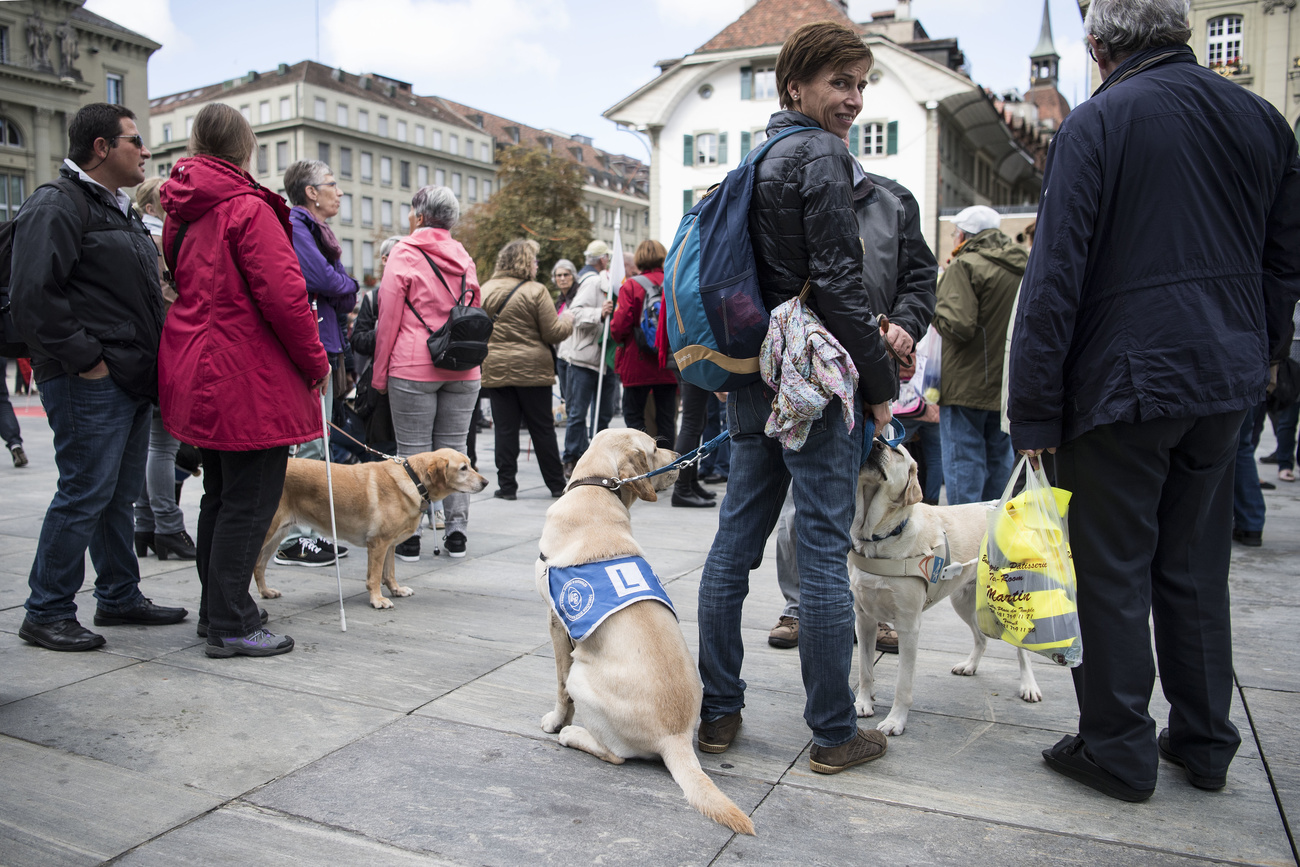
[{"x": 240, "y": 346}]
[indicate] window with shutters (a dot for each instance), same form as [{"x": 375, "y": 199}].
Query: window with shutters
[
  {"x": 758, "y": 82},
  {"x": 1223, "y": 48},
  {"x": 873, "y": 139},
  {"x": 891, "y": 137},
  {"x": 706, "y": 149},
  {"x": 345, "y": 208}
]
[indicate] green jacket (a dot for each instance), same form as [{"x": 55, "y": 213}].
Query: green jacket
[{"x": 971, "y": 313}]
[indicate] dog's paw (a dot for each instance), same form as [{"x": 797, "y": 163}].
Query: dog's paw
[
  {"x": 271, "y": 593},
  {"x": 864, "y": 707},
  {"x": 552, "y": 722},
  {"x": 965, "y": 669},
  {"x": 892, "y": 725},
  {"x": 380, "y": 602},
  {"x": 403, "y": 591},
  {"x": 1031, "y": 694}
]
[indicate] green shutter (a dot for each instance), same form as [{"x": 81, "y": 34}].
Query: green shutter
[
  {"x": 688, "y": 200},
  {"x": 891, "y": 137},
  {"x": 853, "y": 140},
  {"x": 744, "y": 144},
  {"x": 688, "y": 150},
  {"x": 722, "y": 148},
  {"x": 746, "y": 82}
]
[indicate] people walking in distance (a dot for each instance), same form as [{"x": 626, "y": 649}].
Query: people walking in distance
[{"x": 581, "y": 351}]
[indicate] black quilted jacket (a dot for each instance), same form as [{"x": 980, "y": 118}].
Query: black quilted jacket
[{"x": 803, "y": 226}]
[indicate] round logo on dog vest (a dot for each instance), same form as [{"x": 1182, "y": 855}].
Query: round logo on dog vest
[{"x": 576, "y": 598}]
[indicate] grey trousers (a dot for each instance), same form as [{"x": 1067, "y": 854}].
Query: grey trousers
[
  {"x": 435, "y": 415},
  {"x": 156, "y": 511},
  {"x": 787, "y": 563}
]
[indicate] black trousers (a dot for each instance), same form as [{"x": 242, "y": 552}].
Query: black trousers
[
  {"x": 532, "y": 406},
  {"x": 634, "y": 398},
  {"x": 1150, "y": 527},
  {"x": 695, "y": 401},
  {"x": 241, "y": 491}
]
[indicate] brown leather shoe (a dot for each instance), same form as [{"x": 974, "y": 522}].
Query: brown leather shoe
[
  {"x": 868, "y": 745},
  {"x": 785, "y": 634},
  {"x": 886, "y": 638},
  {"x": 716, "y": 735}
]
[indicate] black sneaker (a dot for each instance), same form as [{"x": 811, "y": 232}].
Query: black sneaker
[
  {"x": 304, "y": 552},
  {"x": 455, "y": 542},
  {"x": 328, "y": 548},
  {"x": 19, "y": 456},
  {"x": 408, "y": 550},
  {"x": 259, "y": 643}
]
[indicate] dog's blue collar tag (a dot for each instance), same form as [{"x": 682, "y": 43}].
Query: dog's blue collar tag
[{"x": 584, "y": 595}]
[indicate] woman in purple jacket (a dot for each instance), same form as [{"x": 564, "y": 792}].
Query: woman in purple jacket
[{"x": 314, "y": 194}]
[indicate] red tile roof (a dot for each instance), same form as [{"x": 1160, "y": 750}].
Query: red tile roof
[{"x": 769, "y": 22}]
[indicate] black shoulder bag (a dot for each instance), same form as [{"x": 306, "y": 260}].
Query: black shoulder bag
[{"x": 462, "y": 342}]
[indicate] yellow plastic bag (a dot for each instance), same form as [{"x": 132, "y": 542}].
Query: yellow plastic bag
[{"x": 1026, "y": 591}]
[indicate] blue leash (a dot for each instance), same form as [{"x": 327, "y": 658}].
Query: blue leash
[{"x": 689, "y": 459}]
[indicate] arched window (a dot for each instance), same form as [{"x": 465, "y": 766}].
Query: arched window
[
  {"x": 9, "y": 134},
  {"x": 1223, "y": 47}
]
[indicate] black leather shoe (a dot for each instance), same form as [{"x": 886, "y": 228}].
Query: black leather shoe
[
  {"x": 144, "y": 614},
  {"x": 701, "y": 491},
  {"x": 202, "y": 628},
  {"x": 1249, "y": 538},
  {"x": 691, "y": 500},
  {"x": 1071, "y": 757},
  {"x": 714, "y": 479},
  {"x": 178, "y": 545},
  {"x": 143, "y": 542},
  {"x": 60, "y": 635},
  {"x": 1200, "y": 781},
  {"x": 504, "y": 495},
  {"x": 716, "y": 735}
]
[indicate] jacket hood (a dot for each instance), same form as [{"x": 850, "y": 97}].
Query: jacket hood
[
  {"x": 198, "y": 184},
  {"x": 994, "y": 245},
  {"x": 442, "y": 248}
]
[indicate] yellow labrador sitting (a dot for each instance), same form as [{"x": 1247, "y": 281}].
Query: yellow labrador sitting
[
  {"x": 631, "y": 677},
  {"x": 375, "y": 504},
  {"x": 889, "y": 498}
]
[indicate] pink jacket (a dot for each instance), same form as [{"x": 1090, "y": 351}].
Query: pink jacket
[{"x": 401, "y": 342}]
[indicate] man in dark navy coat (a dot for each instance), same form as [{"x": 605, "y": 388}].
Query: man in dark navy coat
[{"x": 1160, "y": 289}]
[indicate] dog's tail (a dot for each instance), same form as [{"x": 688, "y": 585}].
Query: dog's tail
[{"x": 680, "y": 759}]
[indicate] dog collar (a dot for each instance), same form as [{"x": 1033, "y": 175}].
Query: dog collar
[
  {"x": 611, "y": 485},
  {"x": 891, "y": 533},
  {"x": 419, "y": 485}
]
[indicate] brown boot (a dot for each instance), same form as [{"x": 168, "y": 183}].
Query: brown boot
[
  {"x": 866, "y": 746},
  {"x": 716, "y": 735}
]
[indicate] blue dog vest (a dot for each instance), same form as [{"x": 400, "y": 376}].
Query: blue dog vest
[{"x": 583, "y": 596}]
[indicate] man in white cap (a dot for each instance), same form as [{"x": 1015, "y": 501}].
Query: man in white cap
[
  {"x": 581, "y": 350},
  {"x": 972, "y": 309}
]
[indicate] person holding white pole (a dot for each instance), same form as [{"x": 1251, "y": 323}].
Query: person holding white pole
[{"x": 583, "y": 350}]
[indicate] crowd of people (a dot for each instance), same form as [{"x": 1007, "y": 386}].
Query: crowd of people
[{"x": 196, "y": 301}]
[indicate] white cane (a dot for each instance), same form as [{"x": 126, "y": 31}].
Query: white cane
[
  {"x": 329, "y": 483},
  {"x": 600, "y": 377}
]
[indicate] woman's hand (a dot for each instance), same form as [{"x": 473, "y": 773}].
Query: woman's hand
[
  {"x": 880, "y": 414},
  {"x": 319, "y": 385}
]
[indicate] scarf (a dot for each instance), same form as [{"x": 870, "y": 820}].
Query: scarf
[{"x": 806, "y": 366}]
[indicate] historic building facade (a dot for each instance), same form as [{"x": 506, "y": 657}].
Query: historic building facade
[{"x": 56, "y": 57}]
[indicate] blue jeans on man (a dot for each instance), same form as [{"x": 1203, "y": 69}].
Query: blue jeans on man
[
  {"x": 977, "y": 454},
  {"x": 101, "y": 440},
  {"x": 579, "y": 392},
  {"x": 824, "y": 476}
]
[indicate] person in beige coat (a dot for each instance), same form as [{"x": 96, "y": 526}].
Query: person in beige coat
[{"x": 519, "y": 371}]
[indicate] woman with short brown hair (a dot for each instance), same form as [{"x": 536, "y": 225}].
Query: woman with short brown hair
[{"x": 638, "y": 361}]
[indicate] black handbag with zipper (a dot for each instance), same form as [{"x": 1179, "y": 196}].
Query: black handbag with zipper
[{"x": 462, "y": 341}]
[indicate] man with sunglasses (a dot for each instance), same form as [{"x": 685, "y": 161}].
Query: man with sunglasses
[{"x": 86, "y": 298}]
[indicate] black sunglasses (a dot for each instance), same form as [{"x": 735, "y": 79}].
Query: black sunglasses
[{"x": 137, "y": 140}]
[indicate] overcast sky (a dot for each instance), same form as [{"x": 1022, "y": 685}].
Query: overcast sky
[{"x": 546, "y": 63}]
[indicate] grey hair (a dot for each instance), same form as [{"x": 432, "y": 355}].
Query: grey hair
[
  {"x": 437, "y": 206},
  {"x": 1125, "y": 27},
  {"x": 389, "y": 243},
  {"x": 592, "y": 260},
  {"x": 300, "y": 176}
]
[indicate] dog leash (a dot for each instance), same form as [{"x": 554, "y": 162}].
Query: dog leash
[
  {"x": 689, "y": 459},
  {"x": 402, "y": 462}
]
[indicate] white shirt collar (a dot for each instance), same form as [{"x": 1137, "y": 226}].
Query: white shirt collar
[{"x": 122, "y": 199}]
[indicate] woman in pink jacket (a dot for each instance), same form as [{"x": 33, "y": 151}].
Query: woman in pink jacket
[{"x": 432, "y": 407}]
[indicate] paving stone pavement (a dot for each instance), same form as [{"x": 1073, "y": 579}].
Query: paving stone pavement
[{"x": 414, "y": 737}]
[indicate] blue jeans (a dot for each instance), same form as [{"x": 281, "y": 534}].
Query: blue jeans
[
  {"x": 824, "y": 475},
  {"x": 579, "y": 392},
  {"x": 1247, "y": 499},
  {"x": 157, "y": 510},
  {"x": 718, "y": 461},
  {"x": 977, "y": 455},
  {"x": 932, "y": 448},
  {"x": 1285, "y": 422},
  {"x": 101, "y": 440}
]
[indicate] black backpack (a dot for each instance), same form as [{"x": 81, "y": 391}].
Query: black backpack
[
  {"x": 12, "y": 344},
  {"x": 462, "y": 342}
]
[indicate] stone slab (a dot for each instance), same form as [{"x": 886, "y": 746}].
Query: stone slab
[
  {"x": 29, "y": 670},
  {"x": 61, "y": 809},
  {"x": 476, "y": 796},
  {"x": 1265, "y": 654},
  {"x": 244, "y": 834},
  {"x": 130, "y": 642},
  {"x": 800, "y": 826},
  {"x": 993, "y": 772},
  {"x": 215, "y": 733}
]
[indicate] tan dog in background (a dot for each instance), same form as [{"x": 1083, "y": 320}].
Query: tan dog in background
[
  {"x": 375, "y": 504},
  {"x": 632, "y": 678},
  {"x": 888, "y": 495}
]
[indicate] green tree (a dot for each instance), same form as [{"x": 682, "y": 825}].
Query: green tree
[{"x": 539, "y": 196}]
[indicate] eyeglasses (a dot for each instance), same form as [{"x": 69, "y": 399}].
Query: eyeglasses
[
  {"x": 1091, "y": 53},
  {"x": 136, "y": 140},
  {"x": 330, "y": 184}
]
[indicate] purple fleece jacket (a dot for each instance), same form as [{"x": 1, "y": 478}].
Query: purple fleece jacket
[{"x": 328, "y": 284}]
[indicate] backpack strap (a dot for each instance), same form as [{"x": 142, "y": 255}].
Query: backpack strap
[
  {"x": 418, "y": 316},
  {"x": 443, "y": 280},
  {"x": 646, "y": 283},
  {"x": 502, "y": 308},
  {"x": 175, "y": 252}
]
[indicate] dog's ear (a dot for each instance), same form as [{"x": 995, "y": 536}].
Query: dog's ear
[
  {"x": 913, "y": 494},
  {"x": 636, "y": 464}
]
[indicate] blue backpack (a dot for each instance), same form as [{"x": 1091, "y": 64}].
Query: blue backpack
[
  {"x": 648, "y": 327},
  {"x": 716, "y": 318}
]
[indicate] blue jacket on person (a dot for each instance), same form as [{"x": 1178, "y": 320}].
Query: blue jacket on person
[
  {"x": 327, "y": 282},
  {"x": 1166, "y": 263}
]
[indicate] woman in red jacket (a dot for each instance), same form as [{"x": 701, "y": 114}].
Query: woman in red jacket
[
  {"x": 240, "y": 367},
  {"x": 638, "y": 368}
]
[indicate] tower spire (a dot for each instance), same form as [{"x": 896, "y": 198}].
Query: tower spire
[{"x": 1044, "y": 61}]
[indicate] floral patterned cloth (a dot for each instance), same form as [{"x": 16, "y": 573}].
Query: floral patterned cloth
[{"x": 806, "y": 366}]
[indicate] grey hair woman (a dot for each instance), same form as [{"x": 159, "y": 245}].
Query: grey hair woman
[{"x": 434, "y": 207}]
